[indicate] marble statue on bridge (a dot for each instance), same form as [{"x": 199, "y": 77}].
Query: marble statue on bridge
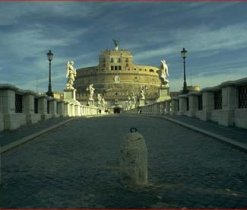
[
  {"x": 71, "y": 74},
  {"x": 91, "y": 90},
  {"x": 164, "y": 73},
  {"x": 142, "y": 93}
]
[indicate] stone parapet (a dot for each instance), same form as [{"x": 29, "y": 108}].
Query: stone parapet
[
  {"x": 225, "y": 104},
  {"x": 23, "y": 107}
]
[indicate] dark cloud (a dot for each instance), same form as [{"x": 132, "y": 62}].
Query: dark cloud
[{"x": 212, "y": 33}]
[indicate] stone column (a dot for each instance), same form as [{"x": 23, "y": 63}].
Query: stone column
[
  {"x": 42, "y": 106},
  {"x": 7, "y": 107},
  {"x": 73, "y": 109},
  {"x": 77, "y": 110},
  {"x": 207, "y": 104},
  {"x": 182, "y": 104},
  {"x": 193, "y": 104},
  {"x": 61, "y": 108},
  {"x": 66, "y": 109},
  {"x": 161, "y": 107},
  {"x": 53, "y": 107},
  {"x": 167, "y": 107},
  {"x": 229, "y": 104},
  {"x": 229, "y": 98},
  {"x": 28, "y": 107},
  {"x": 174, "y": 106}
]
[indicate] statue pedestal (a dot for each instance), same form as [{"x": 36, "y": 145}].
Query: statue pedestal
[
  {"x": 163, "y": 94},
  {"x": 90, "y": 103},
  {"x": 141, "y": 102},
  {"x": 69, "y": 94}
]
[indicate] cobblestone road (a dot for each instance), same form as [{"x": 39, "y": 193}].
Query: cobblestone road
[{"x": 76, "y": 165}]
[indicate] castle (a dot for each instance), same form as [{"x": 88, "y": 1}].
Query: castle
[{"x": 118, "y": 79}]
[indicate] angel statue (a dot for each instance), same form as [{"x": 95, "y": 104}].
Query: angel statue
[
  {"x": 116, "y": 43},
  {"x": 91, "y": 90},
  {"x": 164, "y": 72},
  {"x": 71, "y": 74},
  {"x": 142, "y": 92}
]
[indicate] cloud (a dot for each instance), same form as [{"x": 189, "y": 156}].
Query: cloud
[
  {"x": 205, "y": 80},
  {"x": 213, "y": 33}
]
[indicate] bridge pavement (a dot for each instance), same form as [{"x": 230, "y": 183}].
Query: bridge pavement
[{"x": 76, "y": 165}]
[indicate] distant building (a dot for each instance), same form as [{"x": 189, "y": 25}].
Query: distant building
[{"x": 118, "y": 79}]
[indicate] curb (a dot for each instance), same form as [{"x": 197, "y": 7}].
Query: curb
[
  {"x": 208, "y": 133},
  {"x": 205, "y": 132},
  {"x": 24, "y": 140}
]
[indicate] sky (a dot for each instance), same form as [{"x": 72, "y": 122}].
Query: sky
[{"x": 213, "y": 33}]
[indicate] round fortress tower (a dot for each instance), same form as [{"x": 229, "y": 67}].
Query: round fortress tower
[{"x": 117, "y": 78}]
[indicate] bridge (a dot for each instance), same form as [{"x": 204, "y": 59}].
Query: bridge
[{"x": 74, "y": 162}]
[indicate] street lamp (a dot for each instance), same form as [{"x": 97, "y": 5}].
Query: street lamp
[
  {"x": 50, "y": 57},
  {"x": 183, "y": 54}
]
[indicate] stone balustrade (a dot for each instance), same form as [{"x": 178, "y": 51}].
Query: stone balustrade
[
  {"x": 225, "y": 104},
  {"x": 22, "y": 107}
]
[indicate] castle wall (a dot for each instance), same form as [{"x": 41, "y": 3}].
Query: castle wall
[{"x": 117, "y": 77}]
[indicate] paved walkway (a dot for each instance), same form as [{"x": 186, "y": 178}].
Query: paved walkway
[
  {"x": 7, "y": 137},
  {"x": 76, "y": 165},
  {"x": 232, "y": 135}
]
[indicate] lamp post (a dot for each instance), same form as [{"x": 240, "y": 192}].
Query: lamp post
[
  {"x": 50, "y": 57},
  {"x": 183, "y": 54}
]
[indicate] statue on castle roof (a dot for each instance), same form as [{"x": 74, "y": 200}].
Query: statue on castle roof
[
  {"x": 70, "y": 75},
  {"x": 116, "y": 43}
]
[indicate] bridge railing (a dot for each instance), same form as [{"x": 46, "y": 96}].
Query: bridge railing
[
  {"x": 225, "y": 104},
  {"x": 22, "y": 107}
]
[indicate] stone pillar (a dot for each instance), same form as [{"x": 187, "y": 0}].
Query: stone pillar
[
  {"x": 53, "y": 107},
  {"x": 174, "y": 106},
  {"x": 167, "y": 107},
  {"x": 28, "y": 107},
  {"x": 82, "y": 110},
  {"x": 229, "y": 104},
  {"x": 193, "y": 104},
  {"x": 207, "y": 105},
  {"x": 61, "y": 108},
  {"x": 229, "y": 98},
  {"x": 66, "y": 109},
  {"x": 72, "y": 110},
  {"x": 7, "y": 107},
  {"x": 42, "y": 106},
  {"x": 133, "y": 160},
  {"x": 12, "y": 117},
  {"x": 7, "y": 99},
  {"x": 182, "y": 105},
  {"x": 77, "y": 110}
]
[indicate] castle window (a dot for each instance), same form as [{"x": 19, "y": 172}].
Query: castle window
[
  {"x": 112, "y": 60},
  {"x": 116, "y": 68},
  {"x": 119, "y": 60},
  {"x": 151, "y": 70},
  {"x": 120, "y": 67},
  {"x": 112, "y": 67}
]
